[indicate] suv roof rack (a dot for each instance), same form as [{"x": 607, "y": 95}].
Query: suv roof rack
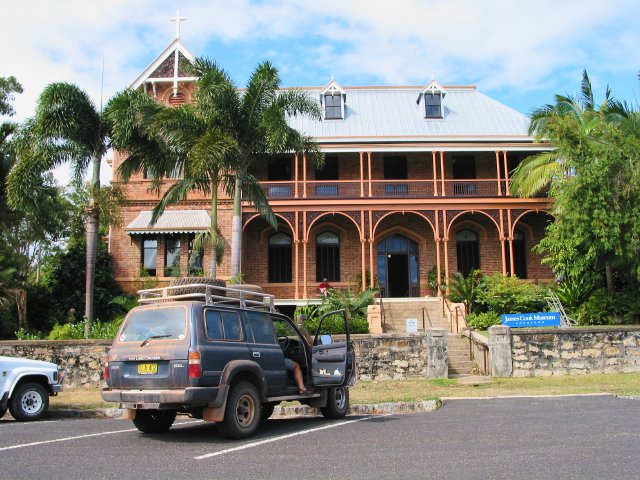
[{"x": 210, "y": 294}]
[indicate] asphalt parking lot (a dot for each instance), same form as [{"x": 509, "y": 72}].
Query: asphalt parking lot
[{"x": 561, "y": 437}]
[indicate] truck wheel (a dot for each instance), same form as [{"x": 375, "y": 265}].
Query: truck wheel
[
  {"x": 29, "y": 401},
  {"x": 243, "y": 413},
  {"x": 2, "y": 412},
  {"x": 337, "y": 403},
  {"x": 154, "y": 421}
]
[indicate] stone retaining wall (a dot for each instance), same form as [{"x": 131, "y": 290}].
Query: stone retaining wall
[
  {"x": 380, "y": 357},
  {"x": 543, "y": 352},
  {"x": 82, "y": 359}
]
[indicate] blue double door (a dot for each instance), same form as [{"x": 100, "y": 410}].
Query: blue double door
[{"x": 398, "y": 273}]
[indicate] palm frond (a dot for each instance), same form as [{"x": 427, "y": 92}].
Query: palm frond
[
  {"x": 252, "y": 191},
  {"x": 535, "y": 173},
  {"x": 66, "y": 112},
  {"x": 176, "y": 193}
]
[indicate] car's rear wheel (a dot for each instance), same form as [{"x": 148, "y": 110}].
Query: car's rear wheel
[
  {"x": 243, "y": 413},
  {"x": 2, "y": 412},
  {"x": 30, "y": 401},
  {"x": 154, "y": 421},
  {"x": 337, "y": 403}
]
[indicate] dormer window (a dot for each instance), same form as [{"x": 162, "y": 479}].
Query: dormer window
[
  {"x": 333, "y": 99},
  {"x": 433, "y": 105},
  {"x": 332, "y": 106},
  {"x": 433, "y": 95}
]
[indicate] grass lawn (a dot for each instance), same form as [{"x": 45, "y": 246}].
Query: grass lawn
[{"x": 410, "y": 390}]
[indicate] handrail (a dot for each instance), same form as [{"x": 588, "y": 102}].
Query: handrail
[
  {"x": 424, "y": 310},
  {"x": 382, "y": 314},
  {"x": 456, "y": 313},
  {"x": 210, "y": 294}
]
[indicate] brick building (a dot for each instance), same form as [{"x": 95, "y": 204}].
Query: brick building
[{"x": 416, "y": 178}]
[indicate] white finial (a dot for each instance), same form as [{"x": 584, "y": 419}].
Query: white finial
[{"x": 178, "y": 19}]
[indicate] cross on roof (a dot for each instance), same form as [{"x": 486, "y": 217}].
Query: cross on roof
[{"x": 178, "y": 19}]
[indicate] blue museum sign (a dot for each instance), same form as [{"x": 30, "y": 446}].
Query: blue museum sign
[{"x": 543, "y": 319}]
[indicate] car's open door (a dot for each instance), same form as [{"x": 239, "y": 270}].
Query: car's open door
[{"x": 332, "y": 363}]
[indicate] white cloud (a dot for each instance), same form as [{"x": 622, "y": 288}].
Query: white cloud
[{"x": 508, "y": 47}]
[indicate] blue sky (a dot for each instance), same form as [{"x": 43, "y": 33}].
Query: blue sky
[{"x": 519, "y": 52}]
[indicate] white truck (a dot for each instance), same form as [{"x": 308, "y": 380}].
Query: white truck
[{"x": 25, "y": 387}]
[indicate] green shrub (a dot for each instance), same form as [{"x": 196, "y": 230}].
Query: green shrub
[
  {"x": 505, "y": 294},
  {"x": 574, "y": 292},
  {"x": 67, "y": 331},
  {"x": 597, "y": 310},
  {"x": 335, "y": 325},
  {"x": 23, "y": 334},
  {"x": 484, "y": 320},
  {"x": 626, "y": 307},
  {"x": 461, "y": 289},
  {"x": 106, "y": 330}
]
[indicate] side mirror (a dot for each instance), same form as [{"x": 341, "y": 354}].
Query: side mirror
[{"x": 326, "y": 340}]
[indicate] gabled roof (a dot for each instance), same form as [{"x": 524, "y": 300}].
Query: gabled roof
[
  {"x": 162, "y": 69},
  {"x": 433, "y": 87},
  {"x": 332, "y": 88}
]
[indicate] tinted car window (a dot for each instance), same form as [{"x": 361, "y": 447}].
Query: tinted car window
[
  {"x": 262, "y": 327},
  {"x": 222, "y": 325},
  {"x": 167, "y": 323}
]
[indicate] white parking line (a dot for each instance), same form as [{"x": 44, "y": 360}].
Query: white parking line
[
  {"x": 281, "y": 437},
  {"x": 78, "y": 437}
]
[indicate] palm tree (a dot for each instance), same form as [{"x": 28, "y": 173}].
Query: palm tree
[
  {"x": 536, "y": 172},
  {"x": 163, "y": 140},
  {"x": 67, "y": 128},
  {"x": 215, "y": 140},
  {"x": 256, "y": 119}
]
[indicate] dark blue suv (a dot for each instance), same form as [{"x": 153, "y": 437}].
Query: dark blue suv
[{"x": 220, "y": 354}]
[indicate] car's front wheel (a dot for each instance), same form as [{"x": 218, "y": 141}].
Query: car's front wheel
[
  {"x": 243, "y": 413},
  {"x": 30, "y": 401},
  {"x": 154, "y": 421},
  {"x": 337, "y": 403}
]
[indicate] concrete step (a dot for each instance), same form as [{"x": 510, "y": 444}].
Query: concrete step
[{"x": 397, "y": 311}]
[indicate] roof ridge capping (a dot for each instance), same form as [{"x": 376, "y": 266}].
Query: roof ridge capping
[{"x": 383, "y": 87}]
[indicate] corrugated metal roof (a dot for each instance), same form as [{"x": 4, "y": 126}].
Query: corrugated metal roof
[
  {"x": 171, "y": 221},
  {"x": 393, "y": 113}
]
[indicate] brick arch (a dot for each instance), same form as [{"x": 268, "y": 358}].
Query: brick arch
[
  {"x": 315, "y": 220},
  {"x": 464, "y": 212},
  {"x": 521, "y": 215},
  {"x": 324, "y": 226},
  {"x": 279, "y": 216},
  {"x": 473, "y": 225},
  {"x": 183, "y": 96},
  {"x": 403, "y": 212},
  {"x": 398, "y": 229}
]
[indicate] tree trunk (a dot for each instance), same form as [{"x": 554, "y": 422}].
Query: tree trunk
[
  {"x": 236, "y": 230},
  {"x": 93, "y": 230},
  {"x": 610, "y": 281},
  {"x": 213, "y": 265}
]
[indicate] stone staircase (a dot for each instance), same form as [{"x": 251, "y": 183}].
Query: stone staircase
[
  {"x": 460, "y": 362},
  {"x": 398, "y": 310}
]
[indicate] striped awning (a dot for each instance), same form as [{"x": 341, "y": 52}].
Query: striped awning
[{"x": 171, "y": 221}]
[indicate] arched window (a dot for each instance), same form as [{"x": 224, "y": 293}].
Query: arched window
[
  {"x": 468, "y": 251},
  {"x": 328, "y": 257},
  {"x": 519, "y": 255},
  {"x": 280, "y": 258}
]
